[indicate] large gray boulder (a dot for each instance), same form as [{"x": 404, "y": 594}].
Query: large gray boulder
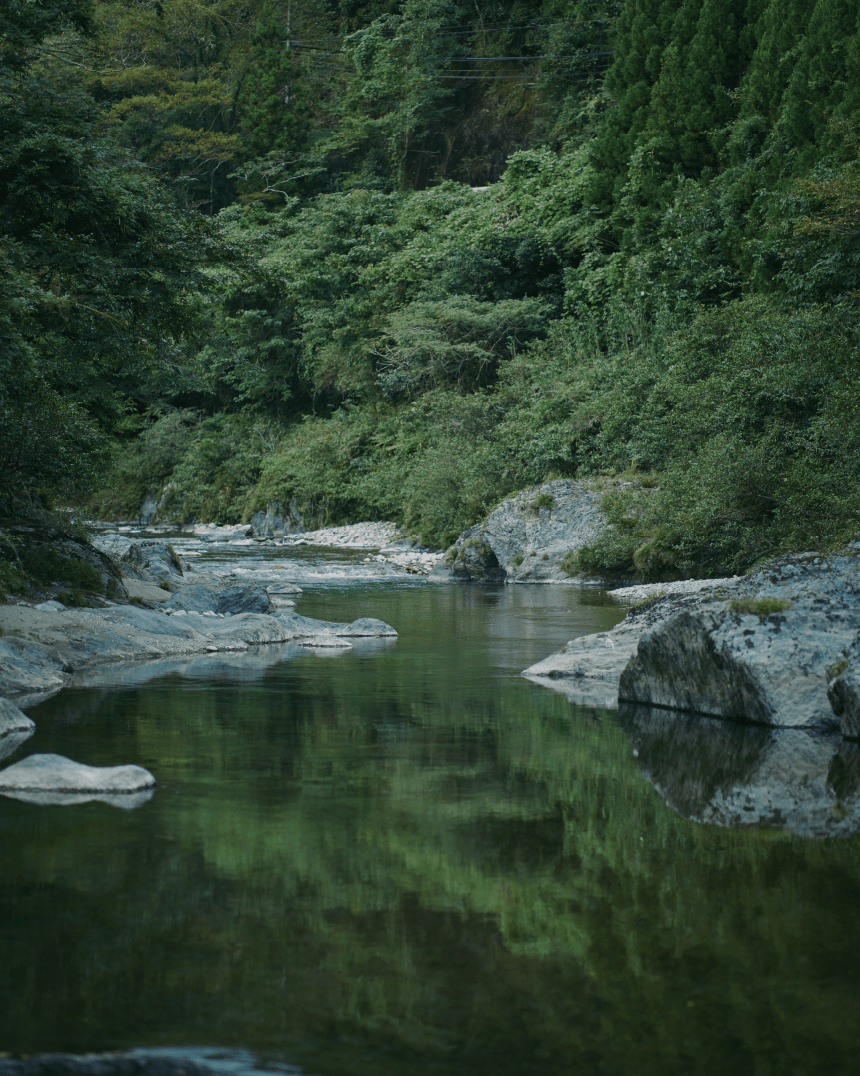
[
  {"x": 843, "y": 691},
  {"x": 729, "y": 774},
  {"x": 153, "y": 562},
  {"x": 242, "y": 598},
  {"x": 767, "y": 653},
  {"x": 530, "y": 538},
  {"x": 56, "y": 773},
  {"x": 587, "y": 669}
]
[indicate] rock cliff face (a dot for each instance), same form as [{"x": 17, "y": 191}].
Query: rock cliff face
[
  {"x": 530, "y": 538},
  {"x": 283, "y": 519}
]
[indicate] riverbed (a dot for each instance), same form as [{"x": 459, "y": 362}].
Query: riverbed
[{"x": 406, "y": 858}]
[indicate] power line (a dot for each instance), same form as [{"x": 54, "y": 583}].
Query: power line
[{"x": 474, "y": 30}]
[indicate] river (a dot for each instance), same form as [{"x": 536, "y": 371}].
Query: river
[{"x": 407, "y": 859}]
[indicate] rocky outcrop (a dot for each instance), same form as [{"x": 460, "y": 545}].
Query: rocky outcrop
[
  {"x": 54, "y": 779},
  {"x": 28, "y": 667},
  {"x": 229, "y": 601},
  {"x": 153, "y": 562},
  {"x": 278, "y": 520},
  {"x": 532, "y": 537},
  {"x": 587, "y": 669},
  {"x": 730, "y": 774},
  {"x": 778, "y": 647},
  {"x": 843, "y": 691},
  {"x": 48, "y": 647},
  {"x": 764, "y": 653}
]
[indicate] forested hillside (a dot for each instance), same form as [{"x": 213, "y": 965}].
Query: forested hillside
[{"x": 398, "y": 259}]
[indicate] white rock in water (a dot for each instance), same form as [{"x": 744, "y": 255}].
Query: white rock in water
[{"x": 57, "y": 774}]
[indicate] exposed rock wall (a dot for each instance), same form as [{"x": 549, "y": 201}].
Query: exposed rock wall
[{"x": 530, "y": 538}]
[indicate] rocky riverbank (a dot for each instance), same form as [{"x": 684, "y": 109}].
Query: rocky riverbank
[
  {"x": 779, "y": 647},
  {"x": 166, "y": 611}
]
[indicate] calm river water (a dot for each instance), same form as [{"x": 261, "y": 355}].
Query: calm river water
[{"x": 407, "y": 859}]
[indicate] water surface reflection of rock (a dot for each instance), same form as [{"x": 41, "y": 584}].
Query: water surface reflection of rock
[{"x": 730, "y": 774}]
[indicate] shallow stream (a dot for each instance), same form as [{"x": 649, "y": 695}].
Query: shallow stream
[{"x": 407, "y": 859}]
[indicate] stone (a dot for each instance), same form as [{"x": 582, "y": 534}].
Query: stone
[
  {"x": 229, "y": 601},
  {"x": 192, "y": 599},
  {"x": 278, "y": 521},
  {"x": 298, "y": 626},
  {"x": 244, "y": 598},
  {"x": 471, "y": 557},
  {"x": 726, "y": 773},
  {"x": 152, "y": 561},
  {"x": 13, "y": 720},
  {"x": 56, "y": 773},
  {"x": 51, "y": 607},
  {"x": 29, "y": 667},
  {"x": 587, "y": 669},
  {"x": 10, "y": 743},
  {"x": 148, "y": 509},
  {"x": 137, "y": 590},
  {"x": 843, "y": 691},
  {"x": 78, "y": 639},
  {"x": 765, "y": 655},
  {"x": 531, "y": 537}
]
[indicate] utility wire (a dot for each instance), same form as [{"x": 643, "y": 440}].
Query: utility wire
[{"x": 462, "y": 33}]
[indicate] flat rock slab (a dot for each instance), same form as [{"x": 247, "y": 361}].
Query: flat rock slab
[
  {"x": 57, "y": 774},
  {"x": 145, "y": 592},
  {"x": 51, "y": 646}
]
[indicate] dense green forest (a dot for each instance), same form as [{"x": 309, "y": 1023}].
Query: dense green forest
[{"x": 399, "y": 258}]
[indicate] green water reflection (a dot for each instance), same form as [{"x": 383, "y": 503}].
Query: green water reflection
[{"x": 412, "y": 860}]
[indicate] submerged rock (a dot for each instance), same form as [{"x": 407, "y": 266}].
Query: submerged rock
[
  {"x": 58, "y": 774},
  {"x": 530, "y": 538}
]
